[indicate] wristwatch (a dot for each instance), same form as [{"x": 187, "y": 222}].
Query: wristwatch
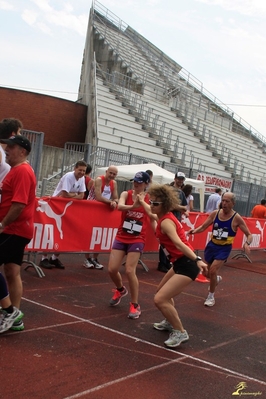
[
  {"x": 247, "y": 242},
  {"x": 198, "y": 258}
]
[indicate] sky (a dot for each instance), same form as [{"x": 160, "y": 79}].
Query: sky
[{"x": 219, "y": 42}]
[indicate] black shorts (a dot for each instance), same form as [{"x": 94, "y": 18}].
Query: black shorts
[
  {"x": 186, "y": 267},
  {"x": 12, "y": 248}
]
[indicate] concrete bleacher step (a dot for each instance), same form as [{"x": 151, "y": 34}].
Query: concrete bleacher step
[
  {"x": 146, "y": 143},
  {"x": 168, "y": 151},
  {"x": 155, "y": 135},
  {"x": 162, "y": 144},
  {"x": 140, "y": 152},
  {"x": 178, "y": 161},
  {"x": 114, "y": 113}
]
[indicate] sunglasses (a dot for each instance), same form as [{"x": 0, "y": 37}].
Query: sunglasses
[{"x": 154, "y": 203}]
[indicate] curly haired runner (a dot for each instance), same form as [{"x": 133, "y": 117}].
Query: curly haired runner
[{"x": 186, "y": 265}]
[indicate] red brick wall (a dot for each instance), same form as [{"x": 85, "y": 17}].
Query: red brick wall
[{"x": 60, "y": 120}]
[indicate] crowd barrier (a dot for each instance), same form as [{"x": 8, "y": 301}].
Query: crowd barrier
[{"x": 66, "y": 225}]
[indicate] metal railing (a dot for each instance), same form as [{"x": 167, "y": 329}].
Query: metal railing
[
  {"x": 34, "y": 158},
  {"x": 247, "y": 194}
]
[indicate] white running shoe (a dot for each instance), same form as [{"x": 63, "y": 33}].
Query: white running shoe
[
  {"x": 176, "y": 338},
  {"x": 210, "y": 301},
  {"x": 163, "y": 326},
  {"x": 8, "y": 319}
]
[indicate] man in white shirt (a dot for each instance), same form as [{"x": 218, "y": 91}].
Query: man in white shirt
[
  {"x": 214, "y": 201},
  {"x": 71, "y": 185}
]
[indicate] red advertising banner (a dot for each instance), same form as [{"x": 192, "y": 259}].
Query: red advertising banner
[{"x": 66, "y": 225}]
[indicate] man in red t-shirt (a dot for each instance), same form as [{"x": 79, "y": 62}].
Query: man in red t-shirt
[
  {"x": 16, "y": 213},
  {"x": 259, "y": 211}
]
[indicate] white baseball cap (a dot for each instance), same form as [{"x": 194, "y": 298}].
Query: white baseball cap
[{"x": 180, "y": 175}]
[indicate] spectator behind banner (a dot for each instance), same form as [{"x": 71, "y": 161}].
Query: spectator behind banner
[
  {"x": 164, "y": 264},
  {"x": 179, "y": 180},
  {"x": 103, "y": 190},
  {"x": 150, "y": 173},
  {"x": 214, "y": 201},
  {"x": 187, "y": 190},
  {"x": 71, "y": 185},
  {"x": 259, "y": 211},
  {"x": 88, "y": 181}
]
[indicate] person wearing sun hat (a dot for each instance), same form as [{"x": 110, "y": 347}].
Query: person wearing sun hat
[{"x": 129, "y": 241}]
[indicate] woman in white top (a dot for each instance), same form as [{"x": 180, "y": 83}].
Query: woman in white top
[{"x": 187, "y": 190}]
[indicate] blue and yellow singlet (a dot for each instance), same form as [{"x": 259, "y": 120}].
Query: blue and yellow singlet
[{"x": 222, "y": 231}]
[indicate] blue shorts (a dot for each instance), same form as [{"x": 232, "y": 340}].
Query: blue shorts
[
  {"x": 216, "y": 252},
  {"x": 133, "y": 247}
]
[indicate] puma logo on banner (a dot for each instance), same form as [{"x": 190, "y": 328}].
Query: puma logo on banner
[{"x": 45, "y": 208}]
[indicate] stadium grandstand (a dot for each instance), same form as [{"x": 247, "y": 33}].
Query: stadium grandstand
[{"x": 143, "y": 103}]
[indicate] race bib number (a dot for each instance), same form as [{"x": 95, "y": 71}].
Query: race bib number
[
  {"x": 132, "y": 227},
  {"x": 220, "y": 234}
]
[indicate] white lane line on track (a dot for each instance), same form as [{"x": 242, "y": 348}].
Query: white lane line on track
[
  {"x": 122, "y": 379},
  {"x": 206, "y": 363}
]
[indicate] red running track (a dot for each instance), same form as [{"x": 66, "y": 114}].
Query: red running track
[{"x": 76, "y": 346}]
